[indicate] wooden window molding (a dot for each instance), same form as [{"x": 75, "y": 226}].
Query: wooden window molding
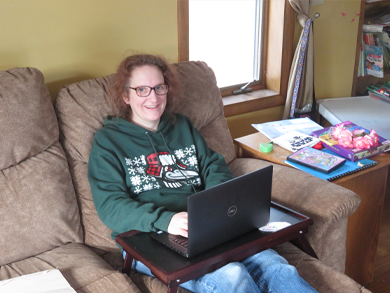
[{"x": 279, "y": 36}]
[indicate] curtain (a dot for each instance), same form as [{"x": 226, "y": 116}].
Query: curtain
[{"x": 305, "y": 95}]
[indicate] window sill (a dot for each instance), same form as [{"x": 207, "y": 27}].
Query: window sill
[{"x": 250, "y": 102}]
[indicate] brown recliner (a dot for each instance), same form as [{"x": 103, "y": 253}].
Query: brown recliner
[{"x": 81, "y": 109}]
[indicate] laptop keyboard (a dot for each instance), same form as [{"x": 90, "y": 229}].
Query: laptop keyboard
[{"x": 181, "y": 241}]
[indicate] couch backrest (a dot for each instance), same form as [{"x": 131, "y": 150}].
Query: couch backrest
[
  {"x": 38, "y": 206},
  {"x": 82, "y": 107}
]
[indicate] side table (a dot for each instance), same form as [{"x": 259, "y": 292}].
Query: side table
[
  {"x": 364, "y": 224},
  {"x": 173, "y": 269}
]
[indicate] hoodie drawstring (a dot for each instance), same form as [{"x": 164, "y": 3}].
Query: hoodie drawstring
[{"x": 155, "y": 151}]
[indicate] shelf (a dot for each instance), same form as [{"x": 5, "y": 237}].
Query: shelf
[
  {"x": 360, "y": 83},
  {"x": 386, "y": 72}
]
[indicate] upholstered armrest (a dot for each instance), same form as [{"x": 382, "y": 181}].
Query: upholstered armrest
[
  {"x": 319, "y": 275},
  {"x": 328, "y": 204}
]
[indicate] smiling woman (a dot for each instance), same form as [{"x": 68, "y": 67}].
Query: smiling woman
[
  {"x": 144, "y": 165},
  {"x": 156, "y": 150}
]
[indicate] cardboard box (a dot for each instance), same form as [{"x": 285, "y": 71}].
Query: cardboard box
[{"x": 351, "y": 153}]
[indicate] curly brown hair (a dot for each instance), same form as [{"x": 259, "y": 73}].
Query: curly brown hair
[{"x": 120, "y": 85}]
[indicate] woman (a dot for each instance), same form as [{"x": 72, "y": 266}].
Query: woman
[{"x": 145, "y": 162}]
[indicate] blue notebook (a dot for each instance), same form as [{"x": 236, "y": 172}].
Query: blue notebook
[{"x": 347, "y": 168}]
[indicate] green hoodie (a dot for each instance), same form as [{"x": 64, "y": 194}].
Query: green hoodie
[{"x": 140, "y": 179}]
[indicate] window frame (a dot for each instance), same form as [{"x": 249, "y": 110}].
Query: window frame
[{"x": 278, "y": 55}]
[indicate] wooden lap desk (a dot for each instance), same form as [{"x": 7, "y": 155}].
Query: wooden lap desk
[
  {"x": 173, "y": 269},
  {"x": 364, "y": 224}
]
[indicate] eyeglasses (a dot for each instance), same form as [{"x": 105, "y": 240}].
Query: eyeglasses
[{"x": 144, "y": 91}]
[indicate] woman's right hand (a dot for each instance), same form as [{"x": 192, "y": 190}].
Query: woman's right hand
[{"x": 179, "y": 224}]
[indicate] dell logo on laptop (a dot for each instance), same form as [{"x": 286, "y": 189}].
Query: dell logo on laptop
[{"x": 232, "y": 211}]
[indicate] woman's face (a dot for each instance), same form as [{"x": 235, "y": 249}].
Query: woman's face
[{"x": 146, "y": 111}]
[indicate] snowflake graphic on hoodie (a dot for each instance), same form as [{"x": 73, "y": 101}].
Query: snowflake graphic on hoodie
[{"x": 164, "y": 169}]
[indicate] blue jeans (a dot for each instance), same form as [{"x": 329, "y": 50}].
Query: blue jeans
[{"x": 265, "y": 271}]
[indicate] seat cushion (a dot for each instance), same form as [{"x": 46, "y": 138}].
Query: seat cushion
[
  {"x": 38, "y": 207},
  {"x": 82, "y": 268}
]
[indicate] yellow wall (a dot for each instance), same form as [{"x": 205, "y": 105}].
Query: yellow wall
[
  {"x": 241, "y": 125},
  {"x": 335, "y": 37},
  {"x": 72, "y": 40}
]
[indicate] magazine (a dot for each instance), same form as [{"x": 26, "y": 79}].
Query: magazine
[{"x": 374, "y": 60}]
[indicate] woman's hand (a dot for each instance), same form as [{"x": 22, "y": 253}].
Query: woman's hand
[{"x": 179, "y": 224}]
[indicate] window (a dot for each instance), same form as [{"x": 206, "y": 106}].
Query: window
[
  {"x": 277, "y": 53},
  {"x": 210, "y": 25}
]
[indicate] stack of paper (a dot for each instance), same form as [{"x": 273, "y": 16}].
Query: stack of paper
[
  {"x": 291, "y": 134},
  {"x": 50, "y": 281},
  {"x": 275, "y": 129}
]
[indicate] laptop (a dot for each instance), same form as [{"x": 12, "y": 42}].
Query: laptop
[{"x": 223, "y": 212}]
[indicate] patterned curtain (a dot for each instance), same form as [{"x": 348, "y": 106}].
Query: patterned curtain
[{"x": 300, "y": 91}]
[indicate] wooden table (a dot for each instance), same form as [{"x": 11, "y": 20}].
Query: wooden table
[
  {"x": 173, "y": 269},
  {"x": 364, "y": 224}
]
